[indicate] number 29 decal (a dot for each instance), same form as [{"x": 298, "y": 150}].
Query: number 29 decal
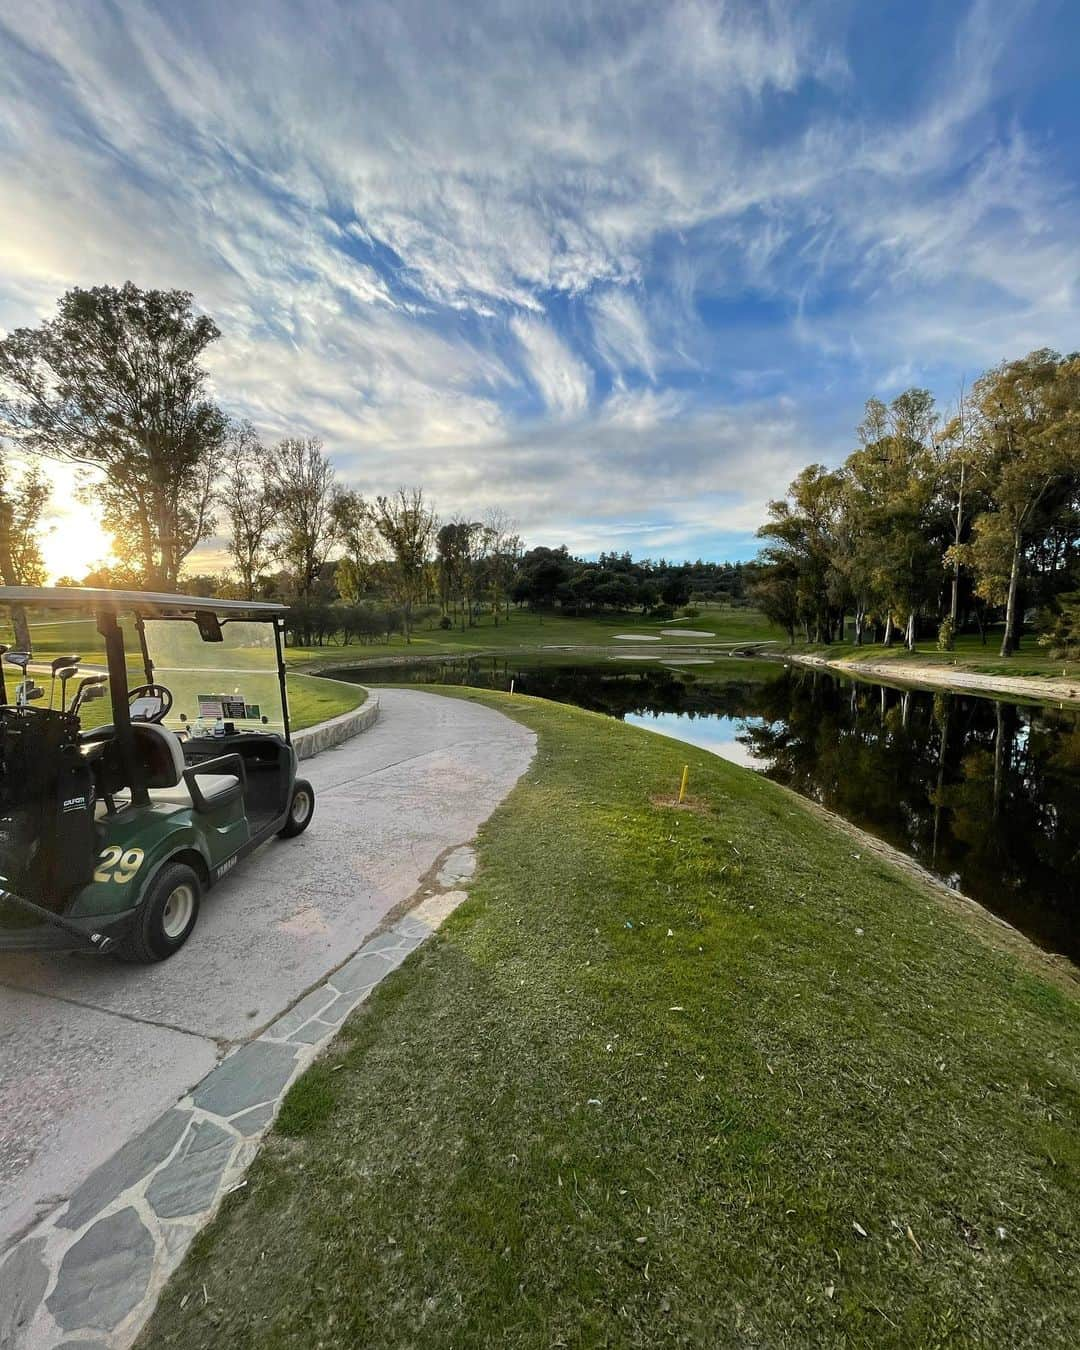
[{"x": 117, "y": 865}]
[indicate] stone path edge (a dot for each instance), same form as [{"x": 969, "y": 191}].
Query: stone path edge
[
  {"x": 92, "y": 1271},
  {"x": 325, "y": 735}
]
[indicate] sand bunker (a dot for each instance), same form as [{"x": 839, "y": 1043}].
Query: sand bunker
[
  {"x": 685, "y": 632},
  {"x": 636, "y": 637}
]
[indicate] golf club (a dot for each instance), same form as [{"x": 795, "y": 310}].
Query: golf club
[
  {"x": 65, "y": 673},
  {"x": 3, "y": 683},
  {"x": 88, "y": 689},
  {"x": 55, "y": 665}
]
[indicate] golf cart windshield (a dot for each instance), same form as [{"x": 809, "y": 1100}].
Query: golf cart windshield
[{"x": 232, "y": 681}]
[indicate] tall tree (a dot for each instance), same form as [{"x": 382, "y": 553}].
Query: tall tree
[
  {"x": 357, "y": 534},
  {"x": 407, "y": 524},
  {"x": 802, "y": 540},
  {"x": 247, "y": 495},
  {"x": 302, "y": 492},
  {"x": 113, "y": 384},
  {"x": 23, "y": 500},
  {"x": 503, "y": 552},
  {"x": 1028, "y": 446}
]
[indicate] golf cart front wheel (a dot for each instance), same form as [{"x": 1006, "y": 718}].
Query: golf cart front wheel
[
  {"x": 165, "y": 919},
  {"x": 301, "y": 809}
]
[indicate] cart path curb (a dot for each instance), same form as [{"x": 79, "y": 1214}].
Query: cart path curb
[
  {"x": 91, "y": 1273},
  {"x": 325, "y": 735}
]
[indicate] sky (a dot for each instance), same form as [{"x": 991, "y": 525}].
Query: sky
[{"x": 619, "y": 269}]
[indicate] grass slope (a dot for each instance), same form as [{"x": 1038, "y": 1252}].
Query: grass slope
[{"x": 699, "y": 1076}]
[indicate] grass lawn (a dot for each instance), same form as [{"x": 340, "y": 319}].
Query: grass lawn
[
  {"x": 527, "y": 631},
  {"x": 707, "y": 1076},
  {"x": 970, "y": 654}
]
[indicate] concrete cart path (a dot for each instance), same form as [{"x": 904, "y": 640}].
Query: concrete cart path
[{"x": 92, "y": 1051}]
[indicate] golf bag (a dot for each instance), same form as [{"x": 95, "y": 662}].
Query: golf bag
[{"x": 47, "y": 839}]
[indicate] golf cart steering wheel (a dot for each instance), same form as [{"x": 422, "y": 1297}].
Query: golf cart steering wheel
[{"x": 159, "y": 694}]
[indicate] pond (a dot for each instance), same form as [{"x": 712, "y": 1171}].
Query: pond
[{"x": 984, "y": 793}]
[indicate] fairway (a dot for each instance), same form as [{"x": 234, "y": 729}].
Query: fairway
[{"x": 707, "y": 1076}]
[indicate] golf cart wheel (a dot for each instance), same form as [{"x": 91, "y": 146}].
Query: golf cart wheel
[
  {"x": 301, "y": 809},
  {"x": 166, "y": 917}
]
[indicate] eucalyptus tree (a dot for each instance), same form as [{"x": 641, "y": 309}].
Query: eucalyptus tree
[
  {"x": 1028, "y": 448},
  {"x": 802, "y": 537},
  {"x": 113, "y": 384}
]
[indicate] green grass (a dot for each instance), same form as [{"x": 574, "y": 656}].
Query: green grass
[
  {"x": 1030, "y": 660},
  {"x": 692, "y": 1077},
  {"x": 528, "y": 631}
]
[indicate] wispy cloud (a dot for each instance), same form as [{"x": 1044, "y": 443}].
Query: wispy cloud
[{"x": 604, "y": 255}]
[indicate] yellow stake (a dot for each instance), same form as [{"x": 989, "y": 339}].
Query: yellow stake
[{"x": 682, "y": 785}]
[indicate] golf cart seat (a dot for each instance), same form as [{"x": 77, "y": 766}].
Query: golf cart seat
[{"x": 168, "y": 779}]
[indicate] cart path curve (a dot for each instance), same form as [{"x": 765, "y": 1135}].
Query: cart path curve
[{"x": 92, "y": 1051}]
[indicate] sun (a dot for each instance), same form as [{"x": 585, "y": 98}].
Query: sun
[{"x": 72, "y": 538}]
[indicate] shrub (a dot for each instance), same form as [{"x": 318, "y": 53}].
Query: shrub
[
  {"x": 690, "y": 611},
  {"x": 446, "y": 622},
  {"x": 946, "y": 635}
]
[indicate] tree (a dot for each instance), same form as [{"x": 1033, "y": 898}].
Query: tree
[
  {"x": 113, "y": 384},
  {"x": 247, "y": 495},
  {"x": 407, "y": 525},
  {"x": 22, "y": 503},
  {"x": 503, "y": 552},
  {"x": 356, "y": 532},
  {"x": 802, "y": 535},
  {"x": 302, "y": 492},
  {"x": 1028, "y": 443}
]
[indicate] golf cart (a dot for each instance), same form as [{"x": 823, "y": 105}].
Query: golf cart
[{"x": 110, "y": 835}]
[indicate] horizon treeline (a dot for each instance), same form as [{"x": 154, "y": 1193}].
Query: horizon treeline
[{"x": 942, "y": 522}]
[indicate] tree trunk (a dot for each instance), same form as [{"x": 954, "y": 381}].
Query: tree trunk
[
  {"x": 909, "y": 636},
  {"x": 21, "y": 625},
  {"x": 1008, "y": 640},
  {"x": 860, "y": 621},
  {"x": 886, "y": 641}
]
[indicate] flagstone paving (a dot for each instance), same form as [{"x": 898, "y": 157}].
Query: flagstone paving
[{"x": 91, "y": 1270}]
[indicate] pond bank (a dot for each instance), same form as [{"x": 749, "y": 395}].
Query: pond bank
[
  {"x": 1035, "y": 687},
  {"x": 694, "y": 1075}
]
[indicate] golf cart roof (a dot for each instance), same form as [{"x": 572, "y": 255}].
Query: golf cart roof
[{"x": 157, "y": 604}]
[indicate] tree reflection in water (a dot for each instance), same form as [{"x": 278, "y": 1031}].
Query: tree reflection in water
[{"x": 984, "y": 793}]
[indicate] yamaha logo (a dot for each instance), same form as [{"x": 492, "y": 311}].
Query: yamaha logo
[{"x": 225, "y": 867}]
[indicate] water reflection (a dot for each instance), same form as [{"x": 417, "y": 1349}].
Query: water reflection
[{"x": 985, "y": 794}]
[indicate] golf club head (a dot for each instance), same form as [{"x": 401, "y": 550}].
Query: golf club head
[
  {"x": 66, "y": 673},
  {"x": 19, "y": 659},
  {"x": 91, "y": 687},
  {"x": 57, "y": 664}
]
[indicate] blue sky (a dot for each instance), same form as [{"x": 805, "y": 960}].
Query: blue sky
[{"x": 619, "y": 269}]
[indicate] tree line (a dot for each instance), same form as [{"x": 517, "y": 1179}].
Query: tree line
[
  {"x": 114, "y": 384},
  {"x": 956, "y": 521}
]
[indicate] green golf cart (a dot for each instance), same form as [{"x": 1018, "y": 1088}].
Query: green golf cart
[{"x": 111, "y": 834}]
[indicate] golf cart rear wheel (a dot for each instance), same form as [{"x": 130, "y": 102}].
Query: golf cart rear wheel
[
  {"x": 301, "y": 809},
  {"x": 166, "y": 917}
]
